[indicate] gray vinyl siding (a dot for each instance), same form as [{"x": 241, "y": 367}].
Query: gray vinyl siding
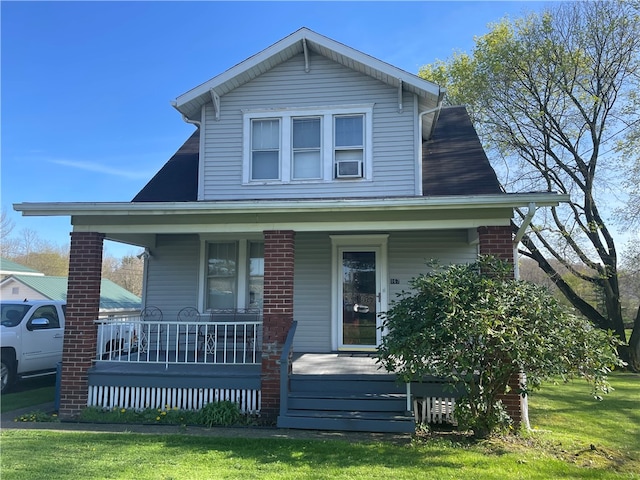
[
  {"x": 173, "y": 270},
  {"x": 173, "y": 273},
  {"x": 312, "y": 292},
  {"x": 407, "y": 255},
  {"x": 327, "y": 84}
]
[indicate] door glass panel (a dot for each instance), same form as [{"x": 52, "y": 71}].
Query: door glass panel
[{"x": 359, "y": 298}]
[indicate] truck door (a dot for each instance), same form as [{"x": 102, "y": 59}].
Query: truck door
[{"x": 42, "y": 339}]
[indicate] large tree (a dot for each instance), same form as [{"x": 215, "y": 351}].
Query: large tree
[{"x": 554, "y": 96}]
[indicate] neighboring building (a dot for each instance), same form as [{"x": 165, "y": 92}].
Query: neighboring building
[
  {"x": 317, "y": 183},
  {"x": 7, "y": 267},
  {"x": 114, "y": 300}
]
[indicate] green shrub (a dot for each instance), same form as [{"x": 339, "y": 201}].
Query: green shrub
[
  {"x": 38, "y": 416},
  {"x": 476, "y": 325},
  {"x": 224, "y": 413},
  {"x": 150, "y": 416}
]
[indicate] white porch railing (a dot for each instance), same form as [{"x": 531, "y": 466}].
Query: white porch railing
[
  {"x": 434, "y": 409},
  {"x": 133, "y": 340}
]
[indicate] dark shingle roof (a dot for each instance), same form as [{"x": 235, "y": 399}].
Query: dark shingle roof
[
  {"x": 454, "y": 162},
  {"x": 177, "y": 180}
]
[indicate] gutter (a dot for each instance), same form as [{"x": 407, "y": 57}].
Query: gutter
[
  {"x": 509, "y": 200},
  {"x": 420, "y": 140}
]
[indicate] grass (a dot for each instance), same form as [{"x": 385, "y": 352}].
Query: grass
[
  {"x": 29, "y": 393},
  {"x": 567, "y": 423}
]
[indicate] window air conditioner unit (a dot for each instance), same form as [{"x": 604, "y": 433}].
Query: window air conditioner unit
[{"x": 349, "y": 169}]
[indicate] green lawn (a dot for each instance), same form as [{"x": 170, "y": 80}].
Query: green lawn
[
  {"x": 566, "y": 423},
  {"x": 28, "y": 393}
]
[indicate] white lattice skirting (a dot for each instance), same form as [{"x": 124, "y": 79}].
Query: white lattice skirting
[
  {"x": 434, "y": 410},
  {"x": 169, "y": 398}
]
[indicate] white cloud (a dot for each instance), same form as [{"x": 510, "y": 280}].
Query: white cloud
[{"x": 128, "y": 173}]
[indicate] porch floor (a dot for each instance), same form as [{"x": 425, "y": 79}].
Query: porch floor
[
  {"x": 342, "y": 363},
  {"x": 239, "y": 376}
]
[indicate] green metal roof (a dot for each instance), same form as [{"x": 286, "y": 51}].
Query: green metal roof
[
  {"x": 9, "y": 267},
  {"x": 112, "y": 296}
]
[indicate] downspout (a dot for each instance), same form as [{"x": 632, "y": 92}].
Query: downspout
[
  {"x": 526, "y": 221},
  {"x": 198, "y": 123},
  {"x": 144, "y": 256},
  {"x": 419, "y": 141}
]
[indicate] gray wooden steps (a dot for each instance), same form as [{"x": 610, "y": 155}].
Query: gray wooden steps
[{"x": 365, "y": 403}]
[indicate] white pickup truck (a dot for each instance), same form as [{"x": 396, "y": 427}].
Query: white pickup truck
[{"x": 31, "y": 338}]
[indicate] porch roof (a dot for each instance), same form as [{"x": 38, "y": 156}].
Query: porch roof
[{"x": 123, "y": 221}]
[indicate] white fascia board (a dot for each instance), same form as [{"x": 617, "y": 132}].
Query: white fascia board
[
  {"x": 304, "y": 33},
  {"x": 376, "y": 64},
  {"x": 258, "y": 227},
  {"x": 513, "y": 200}
]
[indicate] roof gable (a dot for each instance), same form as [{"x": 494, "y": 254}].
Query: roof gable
[
  {"x": 301, "y": 41},
  {"x": 454, "y": 163}
]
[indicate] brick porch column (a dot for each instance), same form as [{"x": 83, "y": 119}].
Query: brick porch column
[
  {"x": 498, "y": 241},
  {"x": 279, "y": 250},
  {"x": 80, "y": 336}
]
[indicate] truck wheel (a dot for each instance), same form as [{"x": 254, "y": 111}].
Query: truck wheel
[{"x": 7, "y": 373}]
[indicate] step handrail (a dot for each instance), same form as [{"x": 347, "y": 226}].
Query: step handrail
[{"x": 285, "y": 366}]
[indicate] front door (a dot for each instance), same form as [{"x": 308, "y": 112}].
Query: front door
[
  {"x": 360, "y": 296},
  {"x": 359, "y": 291}
]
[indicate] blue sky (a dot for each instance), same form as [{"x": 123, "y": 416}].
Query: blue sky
[{"x": 87, "y": 86}]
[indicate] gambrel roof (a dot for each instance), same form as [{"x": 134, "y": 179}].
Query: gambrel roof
[
  {"x": 304, "y": 41},
  {"x": 454, "y": 163}
]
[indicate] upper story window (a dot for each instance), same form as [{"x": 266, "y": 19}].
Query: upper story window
[
  {"x": 265, "y": 149},
  {"x": 308, "y": 145},
  {"x": 349, "y": 145}
]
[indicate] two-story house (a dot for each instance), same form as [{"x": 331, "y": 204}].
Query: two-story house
[{"x": 318, "y": 181}]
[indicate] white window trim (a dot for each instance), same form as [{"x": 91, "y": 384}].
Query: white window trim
[
  {"x": 326, "y": 113},
  {"x": 242, "y": 270}
]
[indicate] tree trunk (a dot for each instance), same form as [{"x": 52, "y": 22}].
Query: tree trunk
[{"x": 633, "y": 352}]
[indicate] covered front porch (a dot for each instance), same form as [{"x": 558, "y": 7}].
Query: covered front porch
[
  {"x": 326, "y": 391},
  {"x": 298, "y": 262}
]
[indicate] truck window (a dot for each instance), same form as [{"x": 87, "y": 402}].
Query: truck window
[
  {"x": 12, "y": 314},
  {"x": 50, "y": 313}
]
